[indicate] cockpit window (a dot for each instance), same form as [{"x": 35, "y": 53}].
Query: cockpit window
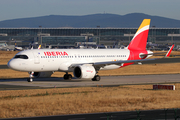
[{"x": 21, "y": 56}]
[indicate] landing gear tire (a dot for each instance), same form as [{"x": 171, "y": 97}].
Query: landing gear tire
[
  {"x": 29, "y": 79},
  {"x": 67, "y": 77},
  {"x": 96, "y": 78}
]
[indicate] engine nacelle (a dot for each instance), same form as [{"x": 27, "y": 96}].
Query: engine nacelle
[
  {"x": 42, "y": 74},
  {"x": 84, "y": 72}
]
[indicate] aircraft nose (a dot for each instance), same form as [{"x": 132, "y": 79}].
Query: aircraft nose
[{"x": 11, "y": 64}]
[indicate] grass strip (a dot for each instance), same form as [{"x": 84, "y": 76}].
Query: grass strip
[{"x": 42, "y": 94}]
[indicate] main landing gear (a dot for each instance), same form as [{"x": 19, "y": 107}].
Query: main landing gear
[
  {"x": 30, "y": 79},
  {"x": 67, "y": 76},
  {"x": 96, "y": 78}
]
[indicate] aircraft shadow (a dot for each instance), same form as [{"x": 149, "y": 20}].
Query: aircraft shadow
[{"x": 50, "y": 79}]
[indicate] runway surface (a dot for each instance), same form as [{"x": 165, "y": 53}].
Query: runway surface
[{"x": 108, "y": 81}]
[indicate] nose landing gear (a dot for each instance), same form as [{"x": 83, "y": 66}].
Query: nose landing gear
[{"x": 30, "y": 79}]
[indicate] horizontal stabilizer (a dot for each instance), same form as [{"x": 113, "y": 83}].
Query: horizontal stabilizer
[{"x": 167, "y": 53}]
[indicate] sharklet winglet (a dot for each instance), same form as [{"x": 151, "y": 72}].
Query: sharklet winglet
[{"x": 169, "y": 52}]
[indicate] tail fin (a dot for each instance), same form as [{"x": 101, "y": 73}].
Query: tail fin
[
  {"x": 39, "y": 47},
  {"x": 140, "y": 38}
]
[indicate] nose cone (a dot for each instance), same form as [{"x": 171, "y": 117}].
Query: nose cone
[{"x": 13, "y": 65}]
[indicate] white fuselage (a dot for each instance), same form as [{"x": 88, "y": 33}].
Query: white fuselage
[{"x": 60, "y": 59}]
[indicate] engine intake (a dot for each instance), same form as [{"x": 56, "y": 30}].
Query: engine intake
[{"x": 84, "y": 72}]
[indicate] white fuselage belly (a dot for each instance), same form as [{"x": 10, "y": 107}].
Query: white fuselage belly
[{"x": 61, "y": 59}]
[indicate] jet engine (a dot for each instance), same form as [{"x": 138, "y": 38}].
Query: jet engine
[
  {"x": 84, "y": 71},
  {"x": 42, "y": 74}
]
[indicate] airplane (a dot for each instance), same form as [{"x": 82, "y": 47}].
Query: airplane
[
  {"x": 18, "y": 48},
  {"x": 84, "y": 63},
  {"x": 5, "y": 46}
]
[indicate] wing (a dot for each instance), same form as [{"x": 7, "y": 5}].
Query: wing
[
  {"x": 120, "y": 62},
  {"x": 102, "y": 64}
]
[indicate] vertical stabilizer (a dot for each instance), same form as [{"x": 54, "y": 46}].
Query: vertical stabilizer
[{"x": 140, "y": 38}]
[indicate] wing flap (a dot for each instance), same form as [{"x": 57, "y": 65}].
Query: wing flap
[{"x": 120, "y": 62}]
